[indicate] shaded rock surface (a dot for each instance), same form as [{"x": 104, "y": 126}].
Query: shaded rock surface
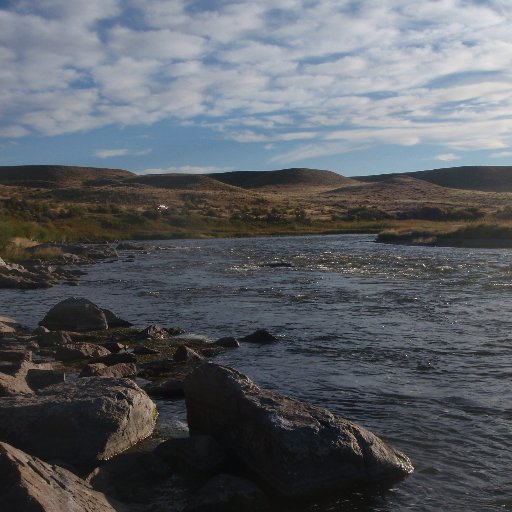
[
  {"x": 29, "y": 484},
  {"x": 13, "y": 378},
  {"x": 119, "y": 357},
  {"x": 227, "y": 493},
  {"x": 76, "y": 351},
  {"x": 296, "y": 448},
  {"x": 78, "y": 422},
  {"x": 169, "y": 377},
  {"x": 52, "y": 338},
  {"x": 184, "y": 353},
  {"x": 227, "y": 342}
]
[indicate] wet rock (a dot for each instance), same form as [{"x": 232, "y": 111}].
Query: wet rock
[
  {"x": 143, "y": 350},
  {"x": 175, "y": 331},
  {"x": 128, "y": 246},
  {"x": 40, "y": 330},
  {"x": 42, "y": 378},
  {"x": 78, "y": 422},
  {"x": 31, "y": 485},
  {"x": 76, "y": 313},
  {"x": 13, "y": 275},
  {"x": 184, "y": 353},
  {"x": 102, "y": 370},
  {"x": 54, "y": 338},
  {"x": 197, "y": 453},
  {"x": 6, "y": 329},
  {"x": 296, "y": 448},
  {"x": 227, "y": 342},
  {"x": 75, "y": 351},
  {"x": 153, "y": 331},
  {"x": 227, "y": 493},
  {"x": 111, "y": 359},
  {"x": 259, "y": 336},
  {"x": 278, "y": 264}
]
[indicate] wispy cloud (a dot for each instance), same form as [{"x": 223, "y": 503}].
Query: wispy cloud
[
  {"x": 111, "y": 153},
  {"x": 320, "y": 77},
  {"x": 502, "y": 154},
  {"x": 447, "y": 157}
]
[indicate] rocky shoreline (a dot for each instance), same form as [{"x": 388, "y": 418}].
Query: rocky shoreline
[{"x": 77, "y": 420}]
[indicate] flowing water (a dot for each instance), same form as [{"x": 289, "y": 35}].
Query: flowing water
[{"x": 414, "y": 343}]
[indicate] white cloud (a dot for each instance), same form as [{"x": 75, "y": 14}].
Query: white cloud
[
  {"x": 322, "y": 76},
  {"x": 447, "y": 157},
  {"x": 110, "y": 153}
]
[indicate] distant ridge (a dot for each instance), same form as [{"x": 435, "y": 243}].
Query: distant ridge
[
  {"x": 284, "y": 177},
  {"x": 180, "y": 181},
  {"x": 51, "y": 176},
  {"x": 483, "y": 178}
]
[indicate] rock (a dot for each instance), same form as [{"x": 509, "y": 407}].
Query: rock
[
  {"x": 171, "y": 377},
  {"x": 102, "y": 370},
  {"x": 298, "y": 449},
  {"x": 13, "y": 379},
  {"x": 78, "y": 422},
  {"x": 38, "y": 378},
  {"x": 113, "y": 346},
  {"x": 197, "y": 453},
  {"x": 227, "y": 342},
  {"x": 41, "y": 330},
  {"x": 128, "y": 246},
  {"x": 76, "y": 351},
  {"x": 278, "y": 264},
  {"x": 120, "y": 357},
  {"x": 15, "y": 354},
  {"x": 13, "y": 275},
  {"x": 143, "y": 350},
  {"x": 75, "y": 314},
  {"x": 175, "y": 331},
  {"x": 227, "y": 493},
  {"x": 51, "y": 339},
  {"x": 31, "y": 485},
  {"x": 114, "y": 321},
  {"x": 154, "y": 332},
  {"x": 80, "y": 314},
  {"x": 259, "y": 336},
  {"x": 184, "y": 353},
  {"x": 6, "y": 328}
]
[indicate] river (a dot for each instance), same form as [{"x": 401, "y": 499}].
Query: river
[{"x": 414, "y": 343}]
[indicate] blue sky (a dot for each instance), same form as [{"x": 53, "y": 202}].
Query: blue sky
[{"x": 358, "y": 87}]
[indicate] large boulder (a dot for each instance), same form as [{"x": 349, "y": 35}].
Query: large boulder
[
  {"x": 29, "y": 484},
  {"x": 78, "y": 422},
  {"x": 79, "y": 314},
  {"x": 297, "y": 448}
]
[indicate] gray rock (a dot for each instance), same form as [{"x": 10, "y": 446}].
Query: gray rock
[
  {"x": 102, "y": 370},
  {"x": 227, "y": 493},
  {"x": 227, "y": 342},
  {"x": 76, "y": 351},
  {"x": 113, "y": 346},
  {"x": 296, "y": 448},
  {"x": 261, "y": 336},
  {"x": 78, "y": 422},
  {"x": 31, "y": 485},
  {"x": 153, "y": 331},
  {"x": 184, "y": 353},
  {"x": 13, "y": 379},
  {"x": 197, "y": 453},
  {"x": 169, "y": 377},
  {"x": 143, "y": 350},
  {"x": 114, "y": 321},
  {"x": 75, "y": 313}
]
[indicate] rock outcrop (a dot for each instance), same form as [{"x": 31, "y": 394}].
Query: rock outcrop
[
  {"x": 78, "y": 422},
  {"x": 296, "y": 448},
  {"x": 29, "y": 484}
]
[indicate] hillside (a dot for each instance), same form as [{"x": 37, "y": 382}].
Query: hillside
[
  {"x": 483, "y": 178},
  {"x": 175, "y": 181},
  {"x": 57, "y": 176},
  {"x": 291, "y": 178}
]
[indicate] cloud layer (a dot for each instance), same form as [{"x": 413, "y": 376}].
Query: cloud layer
[{"x": 322, "y": 76}]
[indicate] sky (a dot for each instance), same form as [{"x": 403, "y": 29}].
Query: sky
[{"x": 357, "y": 87}]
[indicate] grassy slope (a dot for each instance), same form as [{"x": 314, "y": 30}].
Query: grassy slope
[{"x": 60, "y": 203}]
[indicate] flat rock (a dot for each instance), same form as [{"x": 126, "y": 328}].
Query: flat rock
[
  {"x": 143, "y": 350},
  {"x": 298, "y": 449},
  {"x": 29, "y": 484},
  {"x": 113, "y": 346},
  {"x": 78, "y": 422},
  {"x": 13, "y": 379},
  {"x": 111, "y": 359},
  {"x": 53, "y": 338},
  {"x": 39, "y": 378},
  {"x": 75, "y": 351}
]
